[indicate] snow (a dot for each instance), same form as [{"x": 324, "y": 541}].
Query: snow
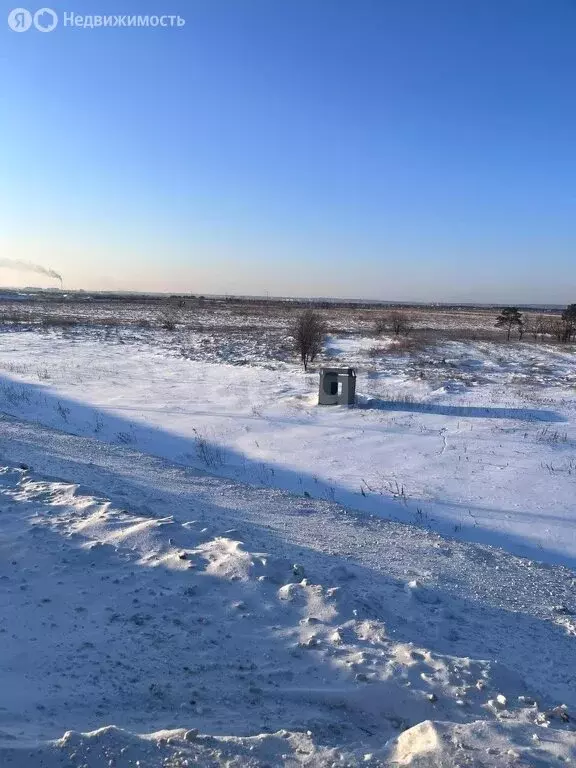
[
  {"x": 446, "y": 439},
  {"x": 192, "y": 572}
]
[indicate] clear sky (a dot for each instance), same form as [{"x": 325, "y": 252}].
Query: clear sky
[{"x": 393, "y": 149}]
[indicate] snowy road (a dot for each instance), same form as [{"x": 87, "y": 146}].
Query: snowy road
[{"x": 150, "y": 596}]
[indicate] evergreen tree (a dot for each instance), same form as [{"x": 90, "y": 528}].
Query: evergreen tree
[
  {"x": 508, "y": 318},
  {"x": 569, "y": 322}
]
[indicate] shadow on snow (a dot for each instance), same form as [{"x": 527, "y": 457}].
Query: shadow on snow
[{"x": 464, "y": 411}]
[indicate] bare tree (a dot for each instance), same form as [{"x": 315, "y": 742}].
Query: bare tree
[
  {"x": 309, "y": 333},
  {"x": 556, "y": 328},
  {"x": 549, "y": 326},
  {"x": 398, "y": 323},
  {"x": 521, "y": 330},
  {"x": 531, "y": 326},
  {"x": 380, "y": 325},
  {"x": 539, "y": 326},
  {"x": 562, "y": 328},
  {"x": 508, "y": 318}
]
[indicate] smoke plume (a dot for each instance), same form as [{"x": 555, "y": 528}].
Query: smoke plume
[{"x": 28, "y": 266}]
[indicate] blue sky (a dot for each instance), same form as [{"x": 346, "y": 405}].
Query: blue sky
[{"x": 394, "y": 149}]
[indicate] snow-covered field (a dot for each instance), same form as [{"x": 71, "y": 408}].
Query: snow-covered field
[
  {"x": 197, "y": 554},
  {"x": 473, "y": 439}
]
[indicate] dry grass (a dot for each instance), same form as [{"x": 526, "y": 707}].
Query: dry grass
[{"x": 406, "y": 345}]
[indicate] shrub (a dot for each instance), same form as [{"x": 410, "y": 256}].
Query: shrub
[
  {"x": 54, "y": 321},
  {"x": 168, "y": 323}
]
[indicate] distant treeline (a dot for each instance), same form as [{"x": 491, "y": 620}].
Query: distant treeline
[{"x": 187, "y": 300}]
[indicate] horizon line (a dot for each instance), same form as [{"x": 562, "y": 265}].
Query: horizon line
[{"x": 269, "y": 297}]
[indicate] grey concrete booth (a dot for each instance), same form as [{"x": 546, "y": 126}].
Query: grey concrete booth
[{"x": 337, "y": 386}]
